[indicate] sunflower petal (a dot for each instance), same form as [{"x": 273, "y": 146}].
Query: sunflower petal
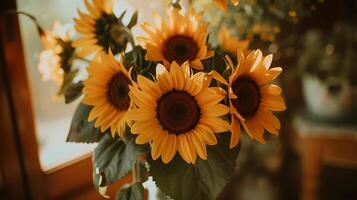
[
  {"x": 235, "y": 132},
  {"x": 170, "y": 150},
  {"x": 218, "y": 125},
  {"x": 184, "y": 148}
]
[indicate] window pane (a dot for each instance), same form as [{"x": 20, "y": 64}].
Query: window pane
[{"x": 52, "y": 116}]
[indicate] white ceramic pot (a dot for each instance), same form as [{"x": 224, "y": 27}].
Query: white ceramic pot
[{"x": 331, "y": 100}]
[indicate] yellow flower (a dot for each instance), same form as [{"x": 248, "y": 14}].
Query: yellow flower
[
  {"x": 178, "y": 38},
  {"x": 177, "y": 112},
  {"x": 222, "y": 4},
  {"x": 50, "y": 66},
  {"x": 98, "y": 29},
  {"x": 106, "y": 89},
  {"x": 57, "y": 54},
  {"x": 231, "y": 44},
  {"x": 253, "y": 97}
]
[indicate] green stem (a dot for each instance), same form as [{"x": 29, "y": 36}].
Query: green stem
[
  {"x": 82, "y": 59},
  {"x": 40, "y": 30},
  {"x": 139, "y": 171},
  {"x": 130, "y": 37}
]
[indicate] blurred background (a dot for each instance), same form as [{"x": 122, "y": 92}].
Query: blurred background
[{"x": 314, "y": 157}]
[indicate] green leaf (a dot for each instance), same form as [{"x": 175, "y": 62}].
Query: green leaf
[
  {"x": 204, "y": 180},
  {"x": 134, "y": 192},
  {"x": 82, "y": 131},
  {"x": 219, "y": 63},
  {"x": 67, "y": 80},
  {"x": 136, "y": 59},
  {"x": 122, "y": 15},
  {"x": 133, "y": 20},
  {"x": 73, "y": 92},
  {"x": 113, "y": 159}
]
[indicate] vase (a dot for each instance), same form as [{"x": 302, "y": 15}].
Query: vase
[{"x": 329, "y": 100}]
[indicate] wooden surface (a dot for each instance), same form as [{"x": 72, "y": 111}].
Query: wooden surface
[
  {"x": 316, "y": 148},
  {"x": 74, "y": 181},
  {"x": 20, "y": 102},
  {"x": 10, "y": 163}
]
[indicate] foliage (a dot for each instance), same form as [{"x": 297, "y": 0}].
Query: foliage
[
  {"x": 82, "y": 131},
  {"x": 133, "y": 192},
  {"x": 204, "y": 180},
  {"x": 113, "y": 159}
]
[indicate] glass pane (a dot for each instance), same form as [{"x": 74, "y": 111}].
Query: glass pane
[{"x": 52, "y": 115}]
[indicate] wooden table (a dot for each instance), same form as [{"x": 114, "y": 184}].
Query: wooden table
[{"x": 319, "y": 143}]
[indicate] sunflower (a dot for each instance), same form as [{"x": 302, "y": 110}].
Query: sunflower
[
  {"x": 99, "y": 29},
  {"x": 106, "y": 89},
  {"x": 222, "y": 4},
  {"x": 57, "y": 56},
  {"x": 178, "y": 38},
  {"x": 253, "y": 97},
  {"x": 231, "y": 44},
  {"x": 177, "y": 112}
]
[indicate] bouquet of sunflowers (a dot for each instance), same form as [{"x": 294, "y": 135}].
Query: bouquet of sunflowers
[{"x": 168, "y": 107}]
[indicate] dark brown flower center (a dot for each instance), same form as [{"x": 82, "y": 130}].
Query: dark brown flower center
[
  {"x": 109, "y": 33},
  {"x": 249, "y": 97},
  {"x": 118, "y": 91},
  {"x": 66, "y": 55},
  {"x": 180, "y": 48},
  {"x": 178, "y": 112}
]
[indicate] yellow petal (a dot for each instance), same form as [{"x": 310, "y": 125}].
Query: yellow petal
[
  {"x": 158, "y": 146},
  {"x": 95, "y": 12},
  {"x": 199, "y": 145},
  {"x": 218, "y": 125},
  {"x": 274, "y": 72},
  {"x": 192, "y": 148},
  {"x": 207, "y": 95},
  {"x": 271, "y": 89},
  {"x": 197, "y": 64},
  {"x": 84, "y": 42},
  {"x": 170, "y": 150},
  {"x": 235, "y": 2},
  {"x": 255, "y": 129},
  {"x": 145, "y": 126},
  {"x": 149, "y": 86},
  {"x": 235, "y": 132},
  {"x": 206, "y": 133},
  {"x": 214, "y": 111},
  {"x": 274, "y": 103},
  {"x": 183, "y": 148},
  {"x": 266, "y": 123},
  {"x": 140, "y": 115},
  {"x": 177, "y": 76}
]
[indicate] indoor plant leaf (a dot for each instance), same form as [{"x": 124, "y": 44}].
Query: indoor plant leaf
[
  {"x": 133, "y": 20},
  {"x": 218, "y": 63},
  {"x": 136, "y": 59},
  {"x": 113, "y": 159},
  {"x": 67, "y": 79},
  {"x": 204, "y": 180},
  {"x": 134, "y": 192},
  {"x": 73, "y": 92},
  {"x": 82, "y": 131}
]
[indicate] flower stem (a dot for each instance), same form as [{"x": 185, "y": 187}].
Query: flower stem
[
  {"x": 139, "y": 171},
  {"x": 40, "y": 30},
  {"x": 82, "y": 59}
]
